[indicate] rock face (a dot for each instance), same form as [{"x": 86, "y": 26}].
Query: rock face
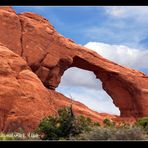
[
  {"x": 24, "y": 100},
  {"x": 49, "y": 54},
  {"x": 23, "y": 97}
]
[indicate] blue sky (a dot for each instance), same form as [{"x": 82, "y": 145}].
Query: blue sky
[
  {"x": 69, "y": 21},
  {"x": 75, "y": 21},
  {"x": 118, "y": 33}
]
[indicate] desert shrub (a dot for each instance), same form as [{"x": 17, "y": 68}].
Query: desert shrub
[
  {"x": 124, "y": 125},
  {"x": 99, "y": 133},
  {"x": 96, "y": 124},
  {"x": 83, "y": 124},
  {"x": 48, "y": 125},
  {"x": 65, "y": 122},
  {"x": 63, "y": 126},
  {"x": 107, "y": 133},
  {"x": 107, "y": 122},
  {"x": 142, "y": 122},
  {"x": 129, "y": 133},
  {"x": 146, "y": 130}
]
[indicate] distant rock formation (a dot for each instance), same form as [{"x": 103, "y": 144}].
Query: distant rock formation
[{"x": 24, "y": 100}]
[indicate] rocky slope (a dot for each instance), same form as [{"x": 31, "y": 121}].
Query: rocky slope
[{"x": 48, "y": 54}]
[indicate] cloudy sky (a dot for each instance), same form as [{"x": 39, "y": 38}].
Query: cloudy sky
[{"x": 119, "y": 33}]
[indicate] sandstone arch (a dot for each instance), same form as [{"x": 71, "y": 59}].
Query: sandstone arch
[
  {"x": 82, "y": 86},
  {"x": 122, "y": 91},
  {"x": 49, "y": 54}
]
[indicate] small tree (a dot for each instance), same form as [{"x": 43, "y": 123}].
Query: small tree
[
  {"x": 66, "y": 119},
  {"x": 63, "y": 126}
]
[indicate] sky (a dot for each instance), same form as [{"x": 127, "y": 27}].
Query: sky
[{"x": 118, "y": 33}]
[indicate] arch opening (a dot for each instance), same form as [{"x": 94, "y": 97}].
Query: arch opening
[
  {"x": 81, "y": 85},
  {"x": 121, "y": 90}
]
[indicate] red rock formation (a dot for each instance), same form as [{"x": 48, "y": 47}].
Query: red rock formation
[
  {"x": 23, "y": 97},
  {"x": 10, "y": 29},
  {"x": 49, "y": 54},
  {"x": 24, "y": 100}
]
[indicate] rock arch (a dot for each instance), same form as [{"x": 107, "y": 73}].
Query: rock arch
[
  {"x": 82, "y": 86},
  {"x": 49, "y": 54},
  {"x": 122, "y": 91}
]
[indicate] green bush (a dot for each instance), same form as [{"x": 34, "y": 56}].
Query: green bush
[
  {"x": 53, "y": 128},
  {"x": 63, "y": 126},
  {"x": 142, "y": 122},
  {"x": 48, "y": 125},
  {"x": 65, "y": 122},
  {"x": 81, "y": 124},
  {"x": 96, "y": 124},
  {"x": 108, "y": 123}
]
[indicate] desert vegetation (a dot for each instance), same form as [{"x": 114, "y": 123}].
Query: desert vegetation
[
  {"x": 67, "y": 126},
  {"x": 64, "y": 126}
]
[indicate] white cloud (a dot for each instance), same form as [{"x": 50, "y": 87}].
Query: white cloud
[
  {"x": 138, "y": 13},
  {"x": 97, "y": 100},
  {"x": 83, "y": 86},
  {"x": 125, "y": 25},
  {"x": 124, "y": 55},
  {"x": 74, "y": 77},
  {"x": 115, "y": 11}
]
